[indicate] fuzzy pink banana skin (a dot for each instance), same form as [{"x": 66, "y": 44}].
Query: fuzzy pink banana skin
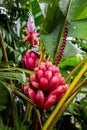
[
  {"x": 31, "y": 94},
  {"x": 25, "y": 89},
  {"x": 31, "y": 63},
  {"x": 50, "y": 100},
  {"x": 39, "y": 98},
  {"x": 33, "y": 78},
  {"x": 53, "y": 83},
  {"x": 30, "y": 60},
  {"x": 60, "y": 90},
  {"x": 44, "y": 84},
  {"x": 33, "y": 55},
  {"x": 40, "y": 74},
  {"x": 48, "y": 64},
  {"x": 48, "y": 75},
  {"x": 47, "y": 79},
  {"x": 43, "y": 67},
  {"x": 35, "y": 85}
]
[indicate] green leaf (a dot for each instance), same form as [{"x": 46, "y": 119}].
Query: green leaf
[
  {"x": 52, "y": 27},
  {"x": 39, "y": 116},
  {"x": 45, "y": 1},
  {"x": 37, "y": 13},
  {"x": 70, "y": 62},
  {"x": 81, "y": 43},
  {"x": 12, "y": 75},
  {"x": 54, "y": 17},
  {"x": 78, "y": 29},
  {"x": 50, "y": 41},
  {"x": 23, "y": 126},
  {"x": 4, "y": 95},
  {"x": 68, "y": 53},
  {"x": 78, "y": 10},
  {"x": 0, "y": 53},
  {"x": 3, "y": 127},
  {"x": 63, "y": 4},
  {"x": 2, "y": 107},
  {"x": 16, "y": 69}
]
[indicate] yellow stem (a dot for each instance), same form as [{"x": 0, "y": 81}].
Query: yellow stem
[
  {"x": 28, "y": 112},
  {"x": 79, "y": 85},
  {"x": 3, "y": 48},
  {"x": 48, "y": 59},
  {"x": 65, "y": 97},
  {"x": 75, "y": 69},
  {"x": 68, "y": 101},
  {"x": 60, "y": 113}
]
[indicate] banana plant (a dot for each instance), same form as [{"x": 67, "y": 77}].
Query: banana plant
[{"x": 63, "y": 19}]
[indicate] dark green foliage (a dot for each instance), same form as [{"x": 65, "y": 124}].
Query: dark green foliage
[
  {"x": 80, "y": 112},
  {"x": 4, "y": 94},
  {"x": 2, "y": 127}
]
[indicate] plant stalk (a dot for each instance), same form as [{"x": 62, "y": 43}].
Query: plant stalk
[
  {"x": 28, "y": 112},
  {"x": 60, "y": 113},
  {"x": 14, "y": 113},
  {"x": 3, "y": 48},
  {"x": 68, "y": 101},
  {"x": 13, "y": 102},
  {"x": 75, "y": 69},
  {"x": 60, "y": 41},
  {"x": 23, "y": 96}
]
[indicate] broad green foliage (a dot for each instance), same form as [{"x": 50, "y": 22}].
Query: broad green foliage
[
  {"x": 11, "y": 75},
  {"x": 78, "y": 29},
  {"x": 22, "y": 127},
  {"x": 4, "y": 94},
  {"x": 63, "y": 5},
  {"x": 82, "y": 43},
  {"x": 37, "y": 13},
  {"x": 70, "y": 62},
  {"x": 2, "y": 127},
  {"x": 52, "y": 27},
  {"x": 50, "y": 41},
  {"x": 68, "y": 52},
  {"x": 45, "y": 1},
  {"x": 2, "y": 107},
  {"x": 78, "y": 10},
  {"x": 80, "y": 112}
]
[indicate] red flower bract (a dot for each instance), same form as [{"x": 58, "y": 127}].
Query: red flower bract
[{"x": 31, "y": 34}]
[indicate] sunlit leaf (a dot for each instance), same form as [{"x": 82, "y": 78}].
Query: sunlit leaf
[
  {"x": 78, "y": 29},
  {"x": 11, "y": 75},
  {"x": 37, "y": 13},
  {"x": 68, "y": 52},
  {"x": 52, "y": 27},
  {"x": 81, "y": 43},
  {"x": 63, "y": 4},
  {"x": 78, "y": 10},
  {"x": 45, "y": 1},
  {"x": 50, "y": 41},
  {"x": 70, "y": 62}
]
